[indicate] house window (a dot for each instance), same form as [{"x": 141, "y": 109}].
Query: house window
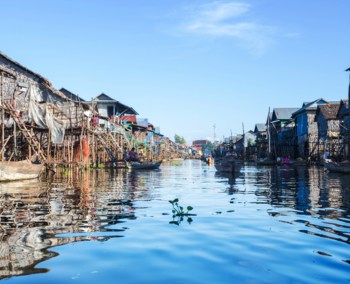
[{"x": 109, "y": 111}]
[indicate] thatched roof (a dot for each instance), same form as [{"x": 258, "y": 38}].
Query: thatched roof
[
  {"x": 329, "y": 111},
  {"x": 40, "y": 78}
]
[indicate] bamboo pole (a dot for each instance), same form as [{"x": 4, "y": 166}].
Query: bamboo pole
[
  {"x": 93, "y": 149},
  {"x": 2, "y": 114},
  {"x": 49, "y": 145}
]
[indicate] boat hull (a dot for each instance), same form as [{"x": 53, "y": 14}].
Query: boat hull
[
  {"x": 143, "y": 167},
  {"x": 19, "y": 170},
  {"x": 337, "y": 167}
]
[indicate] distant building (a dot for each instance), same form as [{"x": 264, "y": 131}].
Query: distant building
[
  {"x": 108, "y": 107},
  {"x": 200, "y": 142}
]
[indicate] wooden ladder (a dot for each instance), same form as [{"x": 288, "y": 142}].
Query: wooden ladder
[
  {"x": 109, "y": 152},
  {"x": 32, "y": 140}
]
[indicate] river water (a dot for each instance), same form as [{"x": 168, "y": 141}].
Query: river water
[{"x": 262, "y": 225}]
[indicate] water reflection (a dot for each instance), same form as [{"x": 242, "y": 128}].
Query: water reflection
[
  {"x": 34, "y": 215},
  {"x": 300, "y": 202}
]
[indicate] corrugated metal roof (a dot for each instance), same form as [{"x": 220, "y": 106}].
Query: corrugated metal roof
[
  {"x": 284, "y": 113},
  {"x": 260, "y": 127},
  {"x": 308, "y": 106}
]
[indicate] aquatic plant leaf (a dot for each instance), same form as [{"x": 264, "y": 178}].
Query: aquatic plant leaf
[
  {"x": 230, "y": 211},
  {"x": 174, "y": 211},
  {"x": 189, "y": 208},
  {"x": 176, "y": 200},
  {"x": 181, "y": 208},
  {"x": 189, "y": 220}
]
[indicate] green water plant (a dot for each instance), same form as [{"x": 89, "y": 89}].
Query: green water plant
[
  {"x": 179, "y": 210},
  {"x": 179, "y": 213},
  {"x": 66, "y": 173},
  {"x": 175, "y": 164}
]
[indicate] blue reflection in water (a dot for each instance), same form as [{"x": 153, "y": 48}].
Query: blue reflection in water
[{"x": 262, "y": 225}]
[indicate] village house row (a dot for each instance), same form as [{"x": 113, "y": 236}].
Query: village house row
[
  {"x": 307, "y": 131},
  {"x": 59, "y": 127}
]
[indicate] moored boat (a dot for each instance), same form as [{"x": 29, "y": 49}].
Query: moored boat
[
  {"x": 139, "y": 166},
  {"x": 19, "y": 170},
  {"x": 337, "y": 167}
]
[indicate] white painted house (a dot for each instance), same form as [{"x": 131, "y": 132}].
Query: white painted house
[{"x": 109, "y": 107}]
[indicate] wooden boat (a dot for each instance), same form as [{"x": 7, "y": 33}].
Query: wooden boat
[
  {"x": 137, "y": 166},
  {"x": 337, "y": 167},
  {"x": 268, "y": 163},
  {"x": 19, "y": 170},
  {"x": 228, "y": 166},
  {"x": 176, "y": 159}
]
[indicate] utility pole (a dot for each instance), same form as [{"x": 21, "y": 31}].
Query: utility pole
[
  {"x": 348, "y": 126},
  {"x": 243, "y": 142},
  {"x": 214, "y": 132}
]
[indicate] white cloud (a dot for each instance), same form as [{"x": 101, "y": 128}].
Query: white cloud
[
  {"x": 209, "y": 138},
  {"x": 225, "y": 19}
]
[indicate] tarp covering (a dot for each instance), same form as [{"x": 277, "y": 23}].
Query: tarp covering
[
  {"x": 42, "y": 116},
  {"x": 86, "y": 151}
]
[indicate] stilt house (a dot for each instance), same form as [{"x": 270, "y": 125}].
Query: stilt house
[{"x": 328, "y": 129}]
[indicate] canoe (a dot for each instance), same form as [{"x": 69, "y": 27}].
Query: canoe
[
  {"x": 337, "y": 167},
  {"x": 137, "y": 166},
  {"x": 228, "y": 166},
  {"x": 268, "y": 163},
  {"x": 19, "y": 170}
]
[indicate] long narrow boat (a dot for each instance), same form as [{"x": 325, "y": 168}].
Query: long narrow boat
[
  {"x": 19, "y": 170},
  {"x": 337, "y": 167},
  {"x": 137, "y": 166},
  {"x": 176, "y": 159}
]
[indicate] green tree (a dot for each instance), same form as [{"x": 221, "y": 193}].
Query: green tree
[{"x": 177, "y": 138}]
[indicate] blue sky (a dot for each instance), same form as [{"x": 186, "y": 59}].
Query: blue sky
[{"x": 186, "y": 65}]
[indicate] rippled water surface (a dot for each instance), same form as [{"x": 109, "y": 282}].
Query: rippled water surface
[{"x": 263, "y": 225}]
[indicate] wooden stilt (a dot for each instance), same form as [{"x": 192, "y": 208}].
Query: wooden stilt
[{"x": 2, "y": 114}]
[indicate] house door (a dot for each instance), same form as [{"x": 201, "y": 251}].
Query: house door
[{"x": 110, "y": 111}]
